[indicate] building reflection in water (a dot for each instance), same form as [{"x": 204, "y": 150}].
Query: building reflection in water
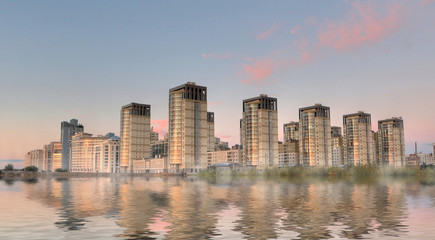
[{"x": 188, "y": 208}]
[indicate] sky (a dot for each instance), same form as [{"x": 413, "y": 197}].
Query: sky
[{"x": 85, "y": 59}]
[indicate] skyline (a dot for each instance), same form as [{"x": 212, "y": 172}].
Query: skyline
[{"x": 383, "y": 52}]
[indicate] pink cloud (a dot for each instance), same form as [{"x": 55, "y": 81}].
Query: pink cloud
[
  {"x": 363, "y": 25},
  {"x": 204, "y": 56},
  {"x": 160, "y": 126},
  {"x": 258, "y": 72},
  {"x": 267, "y": 33},
  {"x": 426, "y": 2}
]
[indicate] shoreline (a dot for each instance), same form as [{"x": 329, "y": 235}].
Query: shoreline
[{"x": 35, "y": 175}]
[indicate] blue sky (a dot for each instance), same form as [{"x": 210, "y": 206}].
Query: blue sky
[{"x": 85, "y": 59}]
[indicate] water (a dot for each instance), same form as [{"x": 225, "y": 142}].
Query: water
[{"x": 190, "y": 208}]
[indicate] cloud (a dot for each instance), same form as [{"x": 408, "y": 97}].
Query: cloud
[
  {"x": 363, "y": 25},
  {"x": 204, "y": 56},
  {"x": 257, "y": 72},
  {"x": 268, "y": 32},
  {"x": 160, "y": 126}
]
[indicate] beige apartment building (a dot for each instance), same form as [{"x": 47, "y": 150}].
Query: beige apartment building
[
  {"x": 259, "y": 131},
  {"x": 211, "y": 140},
  {"x": 135, "y": 134},
  {"x": 35, "y": 158},
  {"x": 315, "y": 136},
  {"x": 391, "y": 142},
  {"x": 288, "y": 153},
  {"x": 291, "y": 130},
  {"x": 228, "y": 156},
  {"x": 188, "y": 128},
  {"x": 337, "y": 146},
  {"x": 358, "y": 139},
  {"x": 151, "y": 165},
  {"x": 52, "y": 156}
]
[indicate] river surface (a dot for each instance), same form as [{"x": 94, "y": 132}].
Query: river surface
[{"x": 191, "y": 208}]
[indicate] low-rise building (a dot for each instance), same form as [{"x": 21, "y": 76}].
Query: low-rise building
[
  {"x": 152, "y": 165},
  {"x": 94, "y": 154},
  {"x": 227, "y": 156},
  {"x": 35, "y": 158},
  {"x": 288, "y": 153}
]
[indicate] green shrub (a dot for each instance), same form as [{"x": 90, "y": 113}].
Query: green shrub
[
  {"x": 31, "y": 169},
  {"x": 9, "y": 167},
  {"x": 61, "y": 170}
]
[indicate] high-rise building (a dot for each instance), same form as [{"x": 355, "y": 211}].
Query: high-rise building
[
  {"x": 211, "y": 141},
  {"x": 67, "y": 130},
  {"x": 260, "y": 132},
  {"x": 188, "y": 128},
  {"x": 315, "y": 136},
  {"x": 135, "y": 134},
  {"x": 154, "y": 136},
  {"x": 337, "y": 146},
  {"x": 358, "y": 139},
  {"x": 52, "y": 156},
  {"x": 291, "y": 131},
  {"x": 48, "y": 157},
  {"x": 391, "y": 142}
]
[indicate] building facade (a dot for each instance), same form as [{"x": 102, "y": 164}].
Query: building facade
[
  {"x": 337, "y": 146},
  {"x": 135, "y": 134},
  {"x": 35, "y": 158},
  {"x": 291, "y": 131},
  {"x": 227, "y": 156},
  {"x": 358, "y": 139},
  {"x": 288, "y": 153},
  {"x": 52, "y": 156},
  {"x": 107, "y": 155},
  {"x": 67, "y": 131},
  {"x": 260, "y": 132},
  {"x": 315, "y": 136},
  {"x": 211, "y": 141},
  {"x": 391, "y": 142},
  {"x": 100, "y": 154},
  {"x": 188, "y": 128}
]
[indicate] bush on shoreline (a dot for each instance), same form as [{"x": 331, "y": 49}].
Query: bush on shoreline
[{"x": 30, "y": 169}]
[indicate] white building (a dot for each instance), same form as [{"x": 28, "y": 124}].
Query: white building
[
  {"x": 35, "y": 158},
  {"x": 94, "y": 154}
]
